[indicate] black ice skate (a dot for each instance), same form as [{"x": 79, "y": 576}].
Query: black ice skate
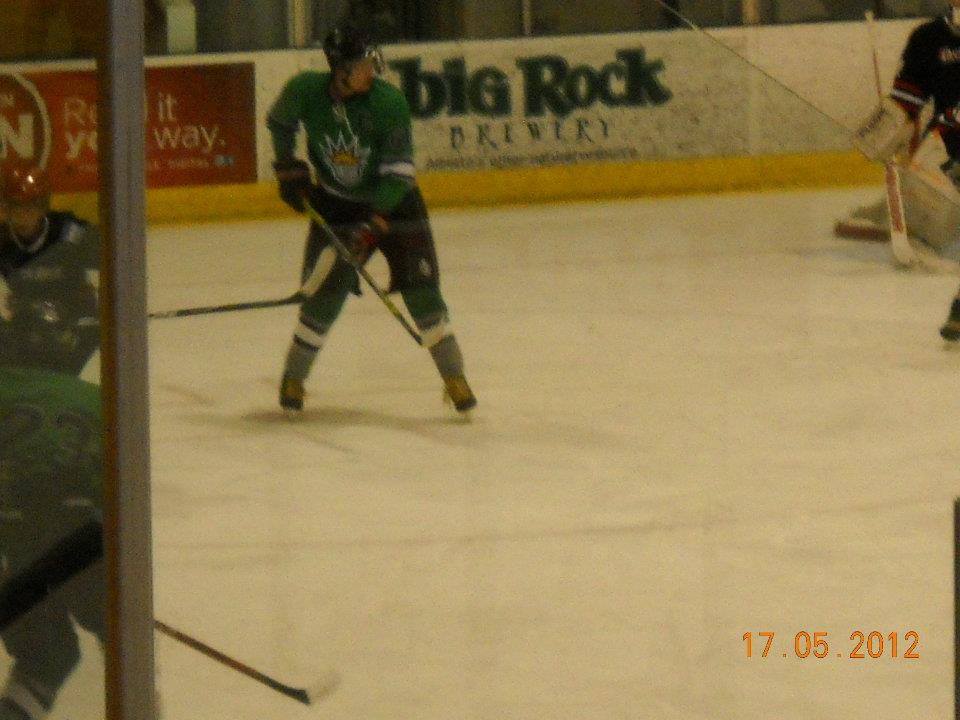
[
  {"x": 291, "y": 395},
  {"x": 951, "y": 328},
  {"x": 459, "y": 393}
]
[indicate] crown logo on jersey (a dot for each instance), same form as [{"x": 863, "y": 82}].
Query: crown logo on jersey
[{"x": 346, "y": 160}]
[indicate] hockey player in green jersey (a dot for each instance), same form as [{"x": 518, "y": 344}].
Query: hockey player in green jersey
[
  {"x": 50, "y": 488},
  {"x": 50, "y": 435},
  {"x": 359, "y": 142}
]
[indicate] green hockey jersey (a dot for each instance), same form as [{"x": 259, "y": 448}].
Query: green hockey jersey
[
  {"x": 50, "y": 445},
  {"x": 361, "y": 148}
]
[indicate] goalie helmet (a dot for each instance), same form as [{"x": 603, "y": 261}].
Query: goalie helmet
[
  {"x": 348, "y": 43},
  {"x": 26, "y": 185}
]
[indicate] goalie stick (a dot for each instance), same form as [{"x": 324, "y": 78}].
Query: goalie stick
[
  {"x": 899, "y": 242},
  {"x": 323, "y": 687}
]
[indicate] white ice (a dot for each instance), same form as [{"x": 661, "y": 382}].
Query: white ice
[{"x": 698, "y": 417}]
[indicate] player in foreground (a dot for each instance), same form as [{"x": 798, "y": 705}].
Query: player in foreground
[
  {"x": 49, "y": 261},
  {"x": 359, "y": 142},
  {"x": 50, "y": 438}
]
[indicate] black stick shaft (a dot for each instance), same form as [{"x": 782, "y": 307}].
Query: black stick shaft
[
  {"x": 231, "y": 307},
  {"x": 298, "y": 694}
]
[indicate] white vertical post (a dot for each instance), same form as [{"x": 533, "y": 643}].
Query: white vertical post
[
  {"x": 127, "y": 528},
  {"x": 299, "y": 23},
  {"x": 750, "y": 12},
  {"x": 526, "y": 9}
]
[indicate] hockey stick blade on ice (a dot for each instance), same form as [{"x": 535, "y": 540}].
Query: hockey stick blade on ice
[
  {"x": 345, "y": 253},
  {"x": 230, "y": 307},
  {"x": 308, "y": 696}
]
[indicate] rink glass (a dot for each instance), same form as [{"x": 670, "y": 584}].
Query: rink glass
[
  {"x": 67, "y": 31},
  {"x": 85, "y": 630}
]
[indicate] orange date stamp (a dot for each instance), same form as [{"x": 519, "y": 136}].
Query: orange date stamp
[{"x": 859, "y": 646}]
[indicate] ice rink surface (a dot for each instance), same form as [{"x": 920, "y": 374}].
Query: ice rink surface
[{"x": 699, "y": 417}]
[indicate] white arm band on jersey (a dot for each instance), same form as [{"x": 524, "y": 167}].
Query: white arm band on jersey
[{"x": 886, "y": 132}]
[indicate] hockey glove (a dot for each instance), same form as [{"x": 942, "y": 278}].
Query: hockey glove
[
  {"x": 363, "y": 238},
  {"x": 294, "y": 178}
]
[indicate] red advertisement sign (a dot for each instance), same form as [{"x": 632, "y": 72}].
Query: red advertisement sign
[{"x": 200, "y": 125}]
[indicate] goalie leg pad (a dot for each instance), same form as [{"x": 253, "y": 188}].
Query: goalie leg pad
[{"x": 931, "y": 207}]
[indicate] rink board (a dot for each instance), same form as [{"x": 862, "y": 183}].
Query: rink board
[{"x": 531, "y": 185}]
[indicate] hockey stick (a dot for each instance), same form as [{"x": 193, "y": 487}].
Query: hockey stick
[
  {"x": 77, "y": 552},
  {"x": 67, "y": 558},
  {"x": 849, "y": 230},
  {"x": 210, "y": 309},
  {"x": 899, "y": 242},
  {"x": 307, "y": 696},
  {"x": 345, "y": 253}
]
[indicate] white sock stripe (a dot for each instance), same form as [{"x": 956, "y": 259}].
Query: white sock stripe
[
  {"x": 404, "y": 169},
  {"x": 321, "y": 269},
  {"x": 432, "y": 335},
  {"x": 310, "y": 336},
  {"x": 909, "y": 97}
]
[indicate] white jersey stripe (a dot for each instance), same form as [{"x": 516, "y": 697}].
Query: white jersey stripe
[
  {"x": 309, "y": 336},
  {"x": 405, "y": 169},
  {"x": 912, "y": 99}
]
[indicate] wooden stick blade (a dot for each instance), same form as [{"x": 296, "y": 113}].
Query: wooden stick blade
[
  {"x": 899, "y": 242},
  {"x": 857, "y": 231}
]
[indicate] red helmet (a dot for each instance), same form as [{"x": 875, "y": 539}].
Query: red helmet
[{"x": 23, "y": 185}]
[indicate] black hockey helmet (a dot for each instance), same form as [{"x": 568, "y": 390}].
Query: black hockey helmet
[{"x": 347, "y": 43}]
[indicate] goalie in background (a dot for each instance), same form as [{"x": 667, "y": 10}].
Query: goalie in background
[
  {"x": 359, "y": 142},
  {"x": 927, "y": 85}
]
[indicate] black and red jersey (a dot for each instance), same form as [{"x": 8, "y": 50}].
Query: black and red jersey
[{"x": 930, "y": 71}]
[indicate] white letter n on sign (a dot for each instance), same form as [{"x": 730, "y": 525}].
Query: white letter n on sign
[{"x": 20, "y": 140}]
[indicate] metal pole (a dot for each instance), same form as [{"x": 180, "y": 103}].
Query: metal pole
[
  {"x": 956, "y": 608},
  {"x": 299, "y": 23},
  {"x": 127, "y": 528},
  {"x": 526, "y": 9}
]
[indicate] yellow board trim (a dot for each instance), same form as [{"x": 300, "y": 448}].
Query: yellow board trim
[{"x": 528, "y": 185}]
